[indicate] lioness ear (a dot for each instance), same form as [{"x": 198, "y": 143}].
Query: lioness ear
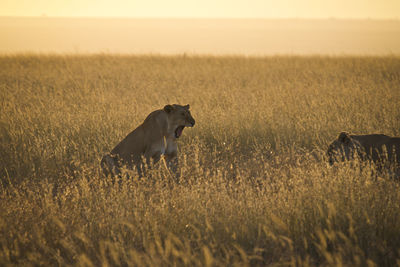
[
  {"x": 168, "y": 108},
  {"x": 187, "y": 106},
  {"x": 344, "y": 137}
]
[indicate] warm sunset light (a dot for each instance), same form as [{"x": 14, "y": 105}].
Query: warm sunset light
[
  {"x": 200, "y": 133},
  {"x": 376, "y": 9},
  {"x": 250, "y": 27}
]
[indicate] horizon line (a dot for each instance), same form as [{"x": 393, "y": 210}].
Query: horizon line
[{"x": 200, "y": 18}]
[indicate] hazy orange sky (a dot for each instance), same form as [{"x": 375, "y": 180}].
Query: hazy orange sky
[{"x": 374, "y": 9}]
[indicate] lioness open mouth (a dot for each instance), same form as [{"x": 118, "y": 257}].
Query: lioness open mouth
[{"x": 178, "y": 131}]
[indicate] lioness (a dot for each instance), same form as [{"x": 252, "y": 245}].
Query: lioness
[
  {"x": 379, "y": 148},
  {"x": 155, "y": 137}
]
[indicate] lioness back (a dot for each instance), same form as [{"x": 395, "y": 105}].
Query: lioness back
[
  {"x": 375, "y": 147},
  {"x": 134, "y": 144}
]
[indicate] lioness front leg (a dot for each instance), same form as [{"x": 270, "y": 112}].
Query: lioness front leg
[
  {"x": 152, "y": 156},
  {"x": 173, "y": 164}
]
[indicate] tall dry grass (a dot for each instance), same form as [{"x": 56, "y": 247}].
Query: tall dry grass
[{"x": 255, "y": 188}]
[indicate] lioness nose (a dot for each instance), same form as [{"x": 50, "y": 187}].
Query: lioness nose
[{"x": 192, "y": 121}]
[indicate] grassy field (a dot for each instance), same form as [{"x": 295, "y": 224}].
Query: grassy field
[{"x": 255, "y": 187}]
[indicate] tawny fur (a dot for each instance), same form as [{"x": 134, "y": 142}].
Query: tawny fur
[
  {"x": 378, "y": 148},
  {"x": 155, "y": 137}
]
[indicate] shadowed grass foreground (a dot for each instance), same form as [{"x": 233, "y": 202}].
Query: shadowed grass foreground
[{"x": 255, "y": 188}]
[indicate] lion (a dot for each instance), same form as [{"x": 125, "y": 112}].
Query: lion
[
  {"x": 381, "y": 149},
  {"x": 154, "y": 138}
]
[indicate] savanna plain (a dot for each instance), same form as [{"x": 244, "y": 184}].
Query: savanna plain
[{"x": 255, "y": 188}]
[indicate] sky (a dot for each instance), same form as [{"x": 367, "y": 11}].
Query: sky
[{"x": 348, "y": 9}]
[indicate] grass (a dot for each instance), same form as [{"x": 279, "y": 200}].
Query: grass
[{"x": 255, "y": 187}]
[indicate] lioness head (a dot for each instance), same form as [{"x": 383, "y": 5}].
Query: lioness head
[
  {"x": 179, "y": 117},
  {"x": 343, "y": 148}
]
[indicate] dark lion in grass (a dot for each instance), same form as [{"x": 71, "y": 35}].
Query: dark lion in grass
[
  {"x": 154, "y": 138},
  {"x": 381, "y": 149}
]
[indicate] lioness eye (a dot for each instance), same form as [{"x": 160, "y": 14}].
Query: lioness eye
[{"x": 183, "y": 113}]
